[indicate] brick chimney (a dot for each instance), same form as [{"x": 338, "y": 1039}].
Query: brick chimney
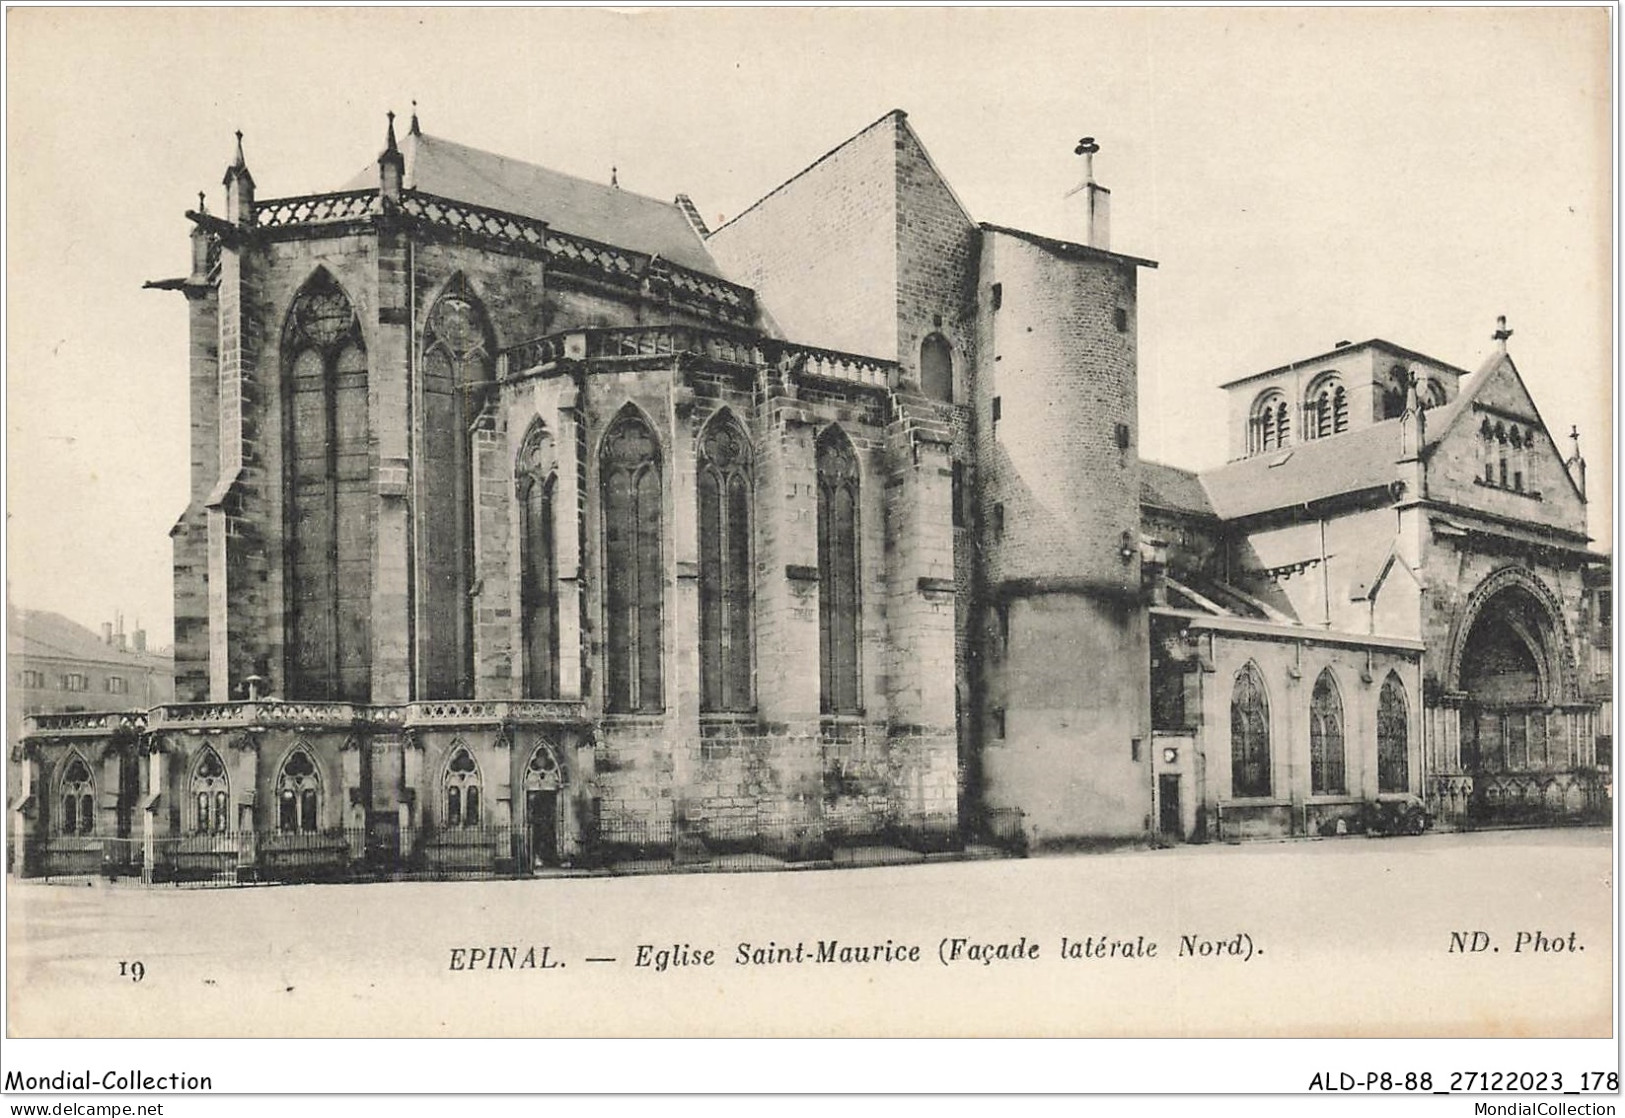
[{"x": 1097, "y": 220}]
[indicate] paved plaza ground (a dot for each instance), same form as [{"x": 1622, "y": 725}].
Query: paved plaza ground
[{"x": 1488, "y": 934}]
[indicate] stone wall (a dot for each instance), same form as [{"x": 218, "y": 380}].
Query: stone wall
[
  {"x": 1455, "y": 467},
  {"x": 1065, "y": 709},
  {"x": 1061, "y": 464},
  {"x": 821, "y": 250},
  {"x": 1289, "y": 666}
]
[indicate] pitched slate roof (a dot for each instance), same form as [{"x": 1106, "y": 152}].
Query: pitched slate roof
[
  {"x": 37, "y": 632},
  {"x": 1206, "y": 595},
  {"x": 1169, "y": 487},
  {"x": 1303, "y": 472},
  {"x": 588, "y": 209}
]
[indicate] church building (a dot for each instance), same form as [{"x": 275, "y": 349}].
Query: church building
[{"x": 534, "y": 523}]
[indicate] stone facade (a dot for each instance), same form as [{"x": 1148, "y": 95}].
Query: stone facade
[
  {"x": 1434, "y": 530},
  {"x": 533, "y": 524}
]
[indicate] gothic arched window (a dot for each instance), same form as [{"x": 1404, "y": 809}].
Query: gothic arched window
[
  {"x": 457, "y": 370},
  {"x": 211, "y": 795},
  {"x": 535, "y": 478},
  {"x": 937, "y": 368},
  {"x": 1434, "y": 394},
  {"x": 1249, "y": 736},
  {"x": 1486, "y": 443},
  {"x": 838, "y": 574},
  {"x": 1501, "y": 455},
  {"x": 1271, "y": 425},
  {"x": 298, "y": 793},
  {"x": 462, "y": 785},
  {"x": 328, "y": 507},
  {"x": 634, "y": 565},
  {"x": 725, "y": 573},
  {"x": 1326, "y": 770},
  {"x": 1393, "y": 737},
  {"x": 77, "y": 796}
]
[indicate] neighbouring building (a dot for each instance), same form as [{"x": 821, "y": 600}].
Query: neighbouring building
[
  {"x": 57, "y": 666},
  {"x": 534, "y": 522}
]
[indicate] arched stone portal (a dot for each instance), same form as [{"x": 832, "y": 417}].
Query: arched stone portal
[{"x": 1510, "y": 674}]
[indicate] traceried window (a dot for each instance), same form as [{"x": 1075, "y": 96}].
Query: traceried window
[
  {"x": 1249, "y": 736},
  {"x": 634, "y": 565},
  {"x": 1327, "y": 409},
  {"x": 937, "y": 368},
  {"x": 457, "y": 373},
  {"x": 1326, "y": 770},
  {"x": 328, "y": 497},
  {"x": 77, "y": 796},
  {"x": 838, "y": 574},
  {"x": 1270, "y": 427},
  {"x": 298, "y": 793},
  {"x": 1393, "y": 737},
  {"x": 535, "y": 481},
  {"x": 462, "y": 785},
  {"x": 211, "y": 795},
  {"x": 725, "y": 567},
  {"x": 542, "y": 771}
]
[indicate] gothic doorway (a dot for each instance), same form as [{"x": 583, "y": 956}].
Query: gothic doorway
[
  {"x": 543, "y": 781},
  {"x": 1508, "y": 682},
  {"x": 542, "y": 810}
]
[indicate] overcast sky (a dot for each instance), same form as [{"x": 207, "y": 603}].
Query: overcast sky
[{"x": 1302, "y": 176}]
